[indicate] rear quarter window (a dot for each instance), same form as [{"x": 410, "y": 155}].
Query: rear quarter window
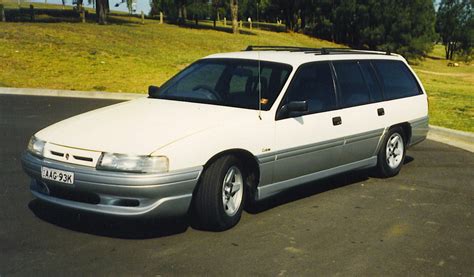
[{"x": 396, "y": 79}]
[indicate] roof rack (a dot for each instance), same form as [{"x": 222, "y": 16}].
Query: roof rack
[
  {"x": 309, "y": 50},
  {"x": 278, "y": 48}
]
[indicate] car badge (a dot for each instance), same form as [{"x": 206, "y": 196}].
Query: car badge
[{"x": 67, "y": 156}]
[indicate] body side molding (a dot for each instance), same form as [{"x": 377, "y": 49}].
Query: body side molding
[{"x": 272, "y": 189}]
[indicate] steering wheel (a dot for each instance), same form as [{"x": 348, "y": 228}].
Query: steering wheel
[{"x": 209, "y": 89}]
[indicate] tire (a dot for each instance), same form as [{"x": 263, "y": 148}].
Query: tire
[
  {"x": 391, "y": 155},
  {"x": 217, "y": 205}
]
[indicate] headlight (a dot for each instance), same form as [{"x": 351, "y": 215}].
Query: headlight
[
  {"x": 36, "y": 146},
  {"x": 132, "y": 163}
]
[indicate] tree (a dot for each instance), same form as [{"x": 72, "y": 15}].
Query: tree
[
  {"x": 130, "y": 6},
  {"x": 217, "y": 7},
  {"x": 454, "y": 24},
  {"x": 167, "y": 7},
  {"x": 198, "y": 9},
  {"x": 403, "y": 26},
  {"x": 409, "y": 28},
  {"x": 101, "y": 9},
  {"x": 234, "y": 10}
]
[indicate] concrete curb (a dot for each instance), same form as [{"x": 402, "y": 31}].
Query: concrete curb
[
  {"x": 460, "y": 139},
  {"x": 463, "y": 140},
  {"x": 71, "y": 93}
]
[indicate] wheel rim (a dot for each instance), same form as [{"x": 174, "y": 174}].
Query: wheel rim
[
  {"x": 394, "y": 150},
  {"x": 232, "y": 190}
]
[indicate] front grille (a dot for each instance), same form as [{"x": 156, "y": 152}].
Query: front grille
[
  {"x": 71, "y": 155},
  {"x": 57, "y": 154},
  {"x": 86, "y": 159}
]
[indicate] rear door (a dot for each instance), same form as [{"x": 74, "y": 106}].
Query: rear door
[{"x": 362, "y": 111}]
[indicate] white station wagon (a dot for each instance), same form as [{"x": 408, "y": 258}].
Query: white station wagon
[{"x": 231, "y": 129}]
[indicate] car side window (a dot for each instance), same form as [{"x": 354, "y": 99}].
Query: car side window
[
  {"x": 371, "y": 80},
  {"x": 396, "y": 79},
  {"x": 352, "y": 86},
  {"x": 313, "y": 83}
]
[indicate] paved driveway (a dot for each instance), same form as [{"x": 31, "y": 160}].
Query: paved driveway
[{"x": 418, "y": 223}]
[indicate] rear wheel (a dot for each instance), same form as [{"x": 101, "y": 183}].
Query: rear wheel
[
  {"x": 219, "y": 197},
  {"x": 392, "y": 153}
]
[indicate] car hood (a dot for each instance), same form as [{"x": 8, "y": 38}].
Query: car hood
[{"x": 140, "y": 126}]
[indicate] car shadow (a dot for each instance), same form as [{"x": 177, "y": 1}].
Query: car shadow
[
  {"x": 316, "y": 187},
  {"x": 101, "y": 225},
  {"x": 220, "y": 28},
  {"x": 310, "y": 189}
]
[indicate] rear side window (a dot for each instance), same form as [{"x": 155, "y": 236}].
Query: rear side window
[
  {"x": 371, "y": 79},
  {"x": 353, "y": 88},
  {"x": 313, "y": 83},
  {"x": 396, "y": 79}
]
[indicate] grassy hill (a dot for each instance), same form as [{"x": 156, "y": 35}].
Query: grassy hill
[
  {"x": 127, "y": 56},
  {"x": 118, "y": 57},
  {"x": 450, "y": 91}
]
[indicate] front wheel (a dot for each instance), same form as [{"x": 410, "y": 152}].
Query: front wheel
[
  {"x": 219, "y": 197},
  {"x": 391, "y": 154}
]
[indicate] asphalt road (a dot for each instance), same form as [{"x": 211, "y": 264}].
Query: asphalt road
[{"x": 417, "y": 223}]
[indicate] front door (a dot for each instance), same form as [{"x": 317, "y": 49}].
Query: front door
[{"x": 309, "y": 142}]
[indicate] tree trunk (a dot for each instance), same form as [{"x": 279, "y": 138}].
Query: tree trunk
[
  {"x": 303, "y": 19},
  {"x": 79, "y": 5},
  {"x": 101, "y": 11},
  {"x": 234, "y": 8},
  {"x": 450, "y": 49}
]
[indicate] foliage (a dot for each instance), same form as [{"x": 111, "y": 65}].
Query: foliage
[
  {"x": 455, "y": 26},
  {"x": 199, "y": 9},
  {"x": 168, "y": 7},
  {"x": 405, "y": 27}
]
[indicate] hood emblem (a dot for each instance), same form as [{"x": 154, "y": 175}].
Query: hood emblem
[{"x": 67, "y": 156}]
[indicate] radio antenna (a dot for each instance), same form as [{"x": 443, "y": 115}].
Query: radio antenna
[
  {"x": 259, "y": 76},
  {"x": 259, "y": 88}
]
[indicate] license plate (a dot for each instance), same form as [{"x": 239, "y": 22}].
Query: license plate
[{"x": 57, "y": 175}]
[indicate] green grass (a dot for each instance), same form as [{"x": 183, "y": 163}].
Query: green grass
[
  {"x": 128, "y": 57},
  {"x": 450, "y": 91}
]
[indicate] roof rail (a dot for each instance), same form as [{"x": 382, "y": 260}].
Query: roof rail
[
  {"x": 309, "y": 50},
  {"x": 279, "y": 48}
]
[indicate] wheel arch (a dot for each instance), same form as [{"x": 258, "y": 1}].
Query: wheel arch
[
  {"x": 249, "y": 162},
  {"x": 406, "y": 128}
]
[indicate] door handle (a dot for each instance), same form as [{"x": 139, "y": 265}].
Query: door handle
[
  {"x": 336, "y": 121},
  {"x": 380, "y": 111}
]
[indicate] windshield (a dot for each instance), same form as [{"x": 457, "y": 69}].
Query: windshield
[{"x": 228, "y": 82}]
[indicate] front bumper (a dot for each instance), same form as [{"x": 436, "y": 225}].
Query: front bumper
[{"x": 114, "y": 193}]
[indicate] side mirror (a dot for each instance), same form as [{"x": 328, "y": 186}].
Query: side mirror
[
  {"x": 293, "y": 109},
  {"x": 153, "y": 90}
]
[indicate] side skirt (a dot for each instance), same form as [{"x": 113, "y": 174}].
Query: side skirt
[{"x": 272, "y": 189}]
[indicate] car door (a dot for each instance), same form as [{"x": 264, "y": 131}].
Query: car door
[
  {"x": 362, "y": 112},
  {"x": 311, "y": 141}
]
